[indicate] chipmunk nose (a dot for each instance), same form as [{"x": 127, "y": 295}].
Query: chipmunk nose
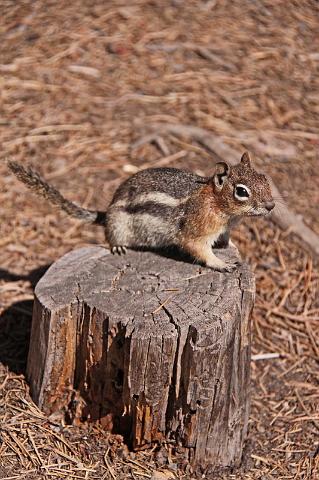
[{"x": 269, "y": 205}]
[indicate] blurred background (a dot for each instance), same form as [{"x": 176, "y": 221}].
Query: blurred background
[{"x": 88, "y": 90}]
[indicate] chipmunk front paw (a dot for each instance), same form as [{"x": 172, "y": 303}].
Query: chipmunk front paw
[
  {"x": 229, "y": 267},
  {"x": 222, "y": 266}
]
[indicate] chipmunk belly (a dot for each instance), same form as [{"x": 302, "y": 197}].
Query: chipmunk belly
[{"x": 212, "y": 238}]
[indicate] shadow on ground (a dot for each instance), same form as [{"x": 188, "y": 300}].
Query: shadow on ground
[{"x": 15, "y": 324}]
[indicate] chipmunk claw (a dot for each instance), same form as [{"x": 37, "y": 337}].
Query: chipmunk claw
[
  {"x": 228, "y": 267},
  {"x": 119, "y": 250}
]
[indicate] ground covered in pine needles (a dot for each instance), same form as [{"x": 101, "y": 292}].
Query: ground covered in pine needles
[{"x": 84, "y": 86}]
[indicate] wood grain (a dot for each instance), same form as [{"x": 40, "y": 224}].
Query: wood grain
[{"x": 153, "y": 348}]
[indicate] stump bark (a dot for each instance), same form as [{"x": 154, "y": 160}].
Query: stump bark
[{"x": 152, "y": 348}]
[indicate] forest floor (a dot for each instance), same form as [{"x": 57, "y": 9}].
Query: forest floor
[{"x": 82, "y": 85}]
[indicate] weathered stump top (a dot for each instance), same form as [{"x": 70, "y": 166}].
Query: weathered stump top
[{"x": 94, "y": 275}]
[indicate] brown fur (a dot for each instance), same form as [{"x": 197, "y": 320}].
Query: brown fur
[{"x": 206, "y": 222}]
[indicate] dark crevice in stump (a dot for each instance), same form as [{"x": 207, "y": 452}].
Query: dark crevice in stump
[{"x": 154, "y": 349}]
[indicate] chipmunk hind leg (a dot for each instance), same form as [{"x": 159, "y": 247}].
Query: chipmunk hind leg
[{"x": 118, "y": 231}]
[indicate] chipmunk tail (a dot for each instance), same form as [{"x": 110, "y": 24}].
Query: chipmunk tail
[{"x": 39, "y": 186}]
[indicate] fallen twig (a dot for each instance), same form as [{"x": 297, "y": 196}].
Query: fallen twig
[{"x": 265, "y": 356}]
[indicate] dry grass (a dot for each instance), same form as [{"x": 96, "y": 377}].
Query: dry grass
[{"x": 80, "y": 84}]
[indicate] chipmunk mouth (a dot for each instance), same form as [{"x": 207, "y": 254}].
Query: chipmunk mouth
[{"x": 259, "y": 212}]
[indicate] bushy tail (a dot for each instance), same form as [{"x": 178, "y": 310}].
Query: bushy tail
[{"x": 33, "y": 181}]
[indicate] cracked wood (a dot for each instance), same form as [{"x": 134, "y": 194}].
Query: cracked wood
[{"x": 150, "y": 347}]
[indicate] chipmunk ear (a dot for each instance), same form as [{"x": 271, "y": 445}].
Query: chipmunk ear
[
  {"x": 221, "y": 174},
  {"x": 245, "y": 159}
]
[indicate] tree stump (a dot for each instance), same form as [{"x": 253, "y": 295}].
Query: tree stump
[{"x": 153, "y": 348}]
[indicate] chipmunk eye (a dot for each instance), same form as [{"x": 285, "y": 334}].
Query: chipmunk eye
[{"x": 242, "y": 193}]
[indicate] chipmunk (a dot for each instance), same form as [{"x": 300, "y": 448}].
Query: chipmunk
[{"x": 162, "y": 207}]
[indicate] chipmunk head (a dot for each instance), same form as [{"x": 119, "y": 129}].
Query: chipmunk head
[{"x": 240, "y": 190}]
